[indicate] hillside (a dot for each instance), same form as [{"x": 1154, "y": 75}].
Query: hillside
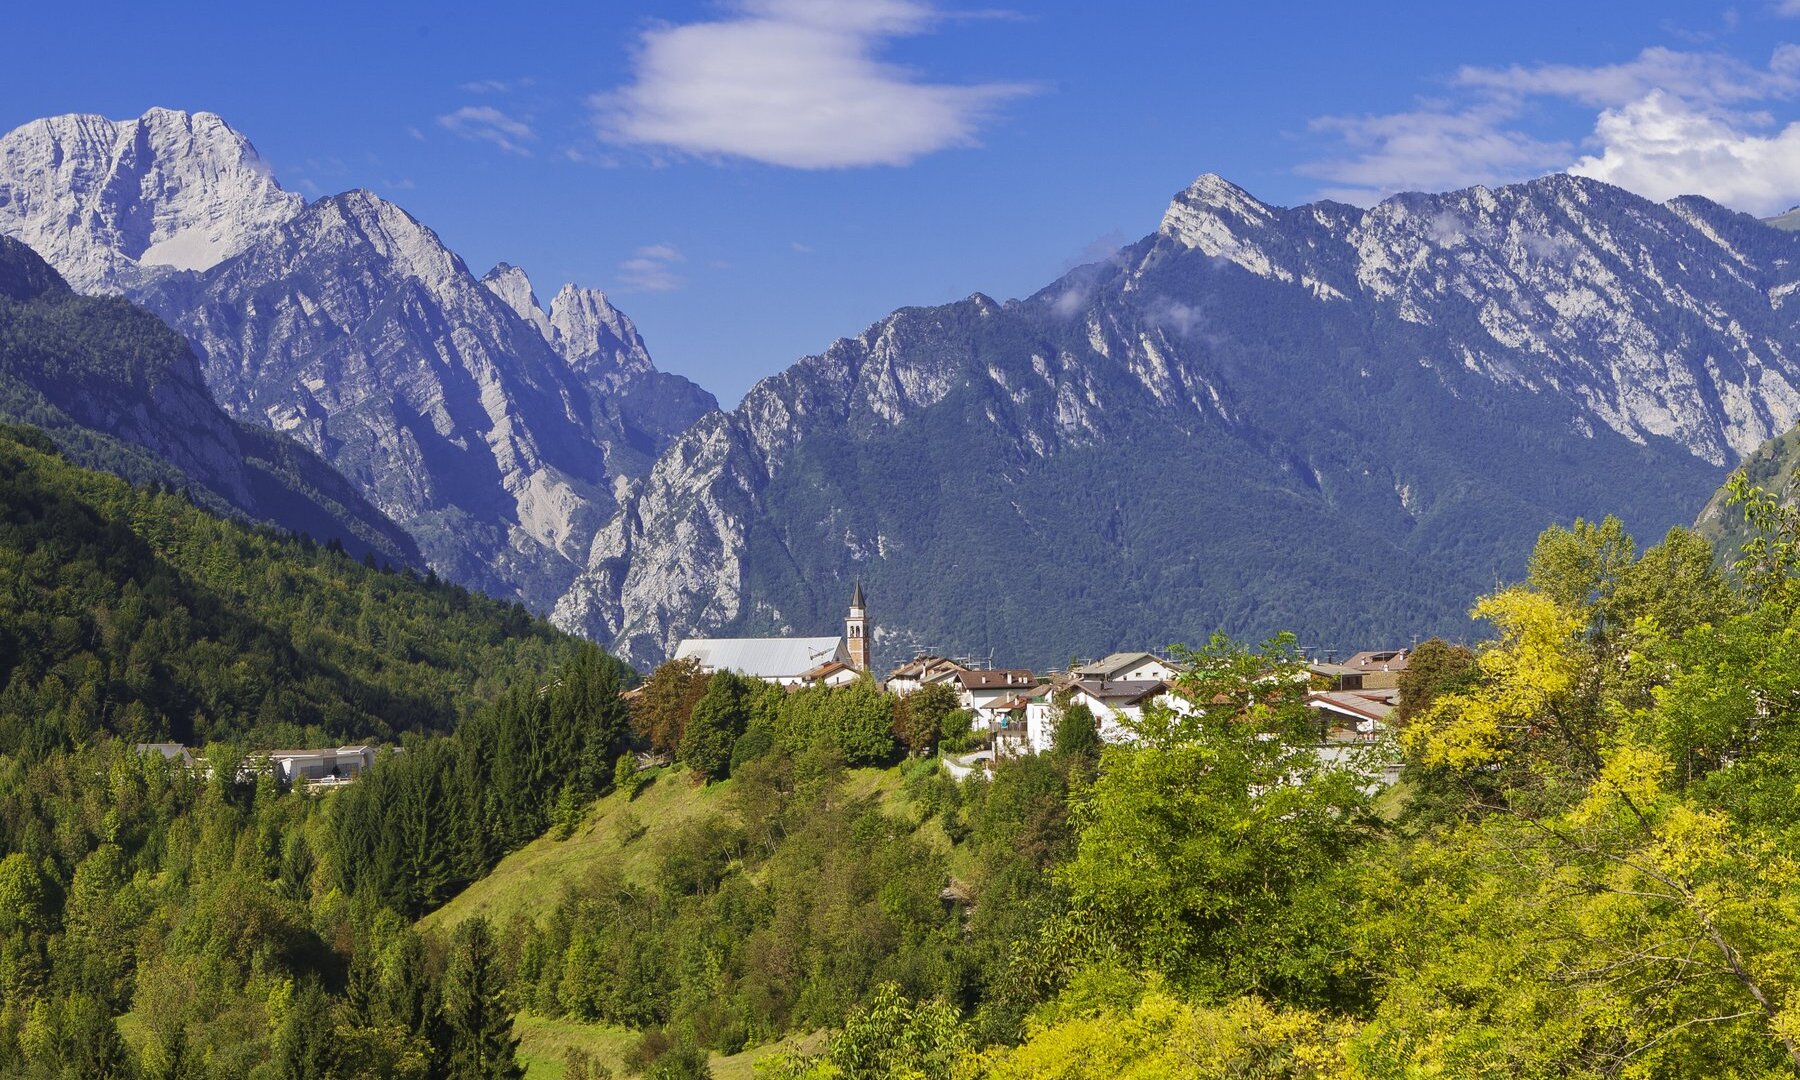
[
  {"x": 629, "y": 834},
  {"x": 117, "y": 390},
  {"x": 1771, "y": 467},
  {"x": 132, "y": 611},
  {"x": 625, "y": 831}
]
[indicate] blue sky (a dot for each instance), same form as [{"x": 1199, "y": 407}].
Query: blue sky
[{"x": 750, "y": 179}]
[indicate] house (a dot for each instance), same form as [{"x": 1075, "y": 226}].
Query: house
[
  {"x": 171, "y": 752},
  {"x": 1336, "y": 676},
  {"x": 1381, "y": 668},
  {"x": 830, "y": 673},
  {"x": 787, "y": 661},
  {"x": 1350, "y": 721},
  {"x": 978, "y": 689},
  {"x": 1007, "y": 724},
  {"x": 329, "y": 766},
  {"x": 1126, "y": 667},
  {"x": 782, "y": 661},
  {"x": 1112, "y": 704},
  {"x": 922, "y": 671}
]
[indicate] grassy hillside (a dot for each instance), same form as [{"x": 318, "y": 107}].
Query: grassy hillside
[
  {"x": 628, "y": 834},
  {"x": 859, "y": 857},
  {"x": 544, "y": 1042}
]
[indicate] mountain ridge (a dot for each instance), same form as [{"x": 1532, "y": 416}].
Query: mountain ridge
[
  {"x": 347, "y": 324},
  {"x": 1536, "y": 314}
]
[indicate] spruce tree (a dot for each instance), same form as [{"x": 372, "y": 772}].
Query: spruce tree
[{"x": 481, "y": 1041}]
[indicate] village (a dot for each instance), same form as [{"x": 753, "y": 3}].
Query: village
[{"x": 1015, "y": 710}]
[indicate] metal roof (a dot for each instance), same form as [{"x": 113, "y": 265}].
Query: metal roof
[
  {"x": 763, "y": 658},
  {"x": 1112, "y": 662}
]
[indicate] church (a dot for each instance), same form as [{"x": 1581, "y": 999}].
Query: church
[{"x": 793, "y": 661}]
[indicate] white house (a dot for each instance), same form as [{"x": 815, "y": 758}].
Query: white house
[
  {"x": 330, "y": 765},
  {"x": 1127, "y": 667},
  {"x": 782, "y": 661},
  {"x": 1352, "y": 721},
  {"x": 830, "y": 673},
  {"x": 1112, "y": 703},
  {"x": 922, "y": 671},
  {"x": 979, "y": 689},
  {"x": 790, "y": 662}
]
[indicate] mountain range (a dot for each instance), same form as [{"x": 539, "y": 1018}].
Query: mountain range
[
  {"x": 1347, "y": 422},
  {"x": 498, "y": 440}
]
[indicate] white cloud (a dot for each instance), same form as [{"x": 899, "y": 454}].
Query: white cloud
[
  {"x": 1711, "y": 78},
  {"x": 495, "y": 86},
  {"x": 796, "y": 83},
  {"x": 652, "y": 269},
  {"x": 1790, "y": 8},
  {"x": 1431, "y": 149},
  {"x": 1661, "y": 147},
  {"x": 485, "y": 123},
  {"x": 1669, "y": 123}
]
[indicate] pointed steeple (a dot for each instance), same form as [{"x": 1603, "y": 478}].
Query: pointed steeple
[{"x": 857, "y": 631}]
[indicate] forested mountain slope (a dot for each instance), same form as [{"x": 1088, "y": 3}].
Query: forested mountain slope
[
  {"x": 118, "y": 390},
  {"x": 130, "y": 611}
]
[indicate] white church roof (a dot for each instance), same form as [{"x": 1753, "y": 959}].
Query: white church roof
[{"x": 763, "y": 658}]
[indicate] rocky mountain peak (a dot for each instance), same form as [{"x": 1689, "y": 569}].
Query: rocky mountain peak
[
  {"x": 108, "y": 201},
  {"x": 1211, "y": 212},
  {"x": 590, "y": 331},
  {"x": 513, "y": 286}
]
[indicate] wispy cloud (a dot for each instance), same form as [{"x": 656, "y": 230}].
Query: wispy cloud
[
  {"x": 652, "y": 269},
  {"x": 495, "y": 86},
  {"x": 484, "y": 123},
  {"x": 796, "y": 83},
  {"x": 1432, "y": 148},
  {"x": 1669, "y": 122}
]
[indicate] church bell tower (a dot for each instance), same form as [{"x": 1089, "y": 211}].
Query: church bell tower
[{"x": 858, "y": 631}]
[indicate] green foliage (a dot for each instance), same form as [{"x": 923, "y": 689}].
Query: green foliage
[
  {"x": 481, "y": 1042},
  {"x": 854, "y": 722},
  {"x": 712, "y": 731},
  {"x": 660, "y": 712},
  {"x": 133, "y": 612},
  {"x": 1433, "y": 668},
  {"x": 1077, "y": 734},
  {"x": 421, "y": 825},
  {"x": 889, "y": 1037},
  {"x": 923, "y": 717}
]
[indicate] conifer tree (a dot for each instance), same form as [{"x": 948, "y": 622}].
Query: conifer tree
[{"x": 481, "y": 1041}]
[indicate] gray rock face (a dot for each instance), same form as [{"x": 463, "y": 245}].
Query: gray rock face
[
  {"x": 1347, "y": 423},
  {"x": 1660, "y": 319},
  {"x": 493, "y": 432},
  {"x": 637, "y": 408},
  {"x": 353, "y": 329},
  {"x": 111, "y": 202}
]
